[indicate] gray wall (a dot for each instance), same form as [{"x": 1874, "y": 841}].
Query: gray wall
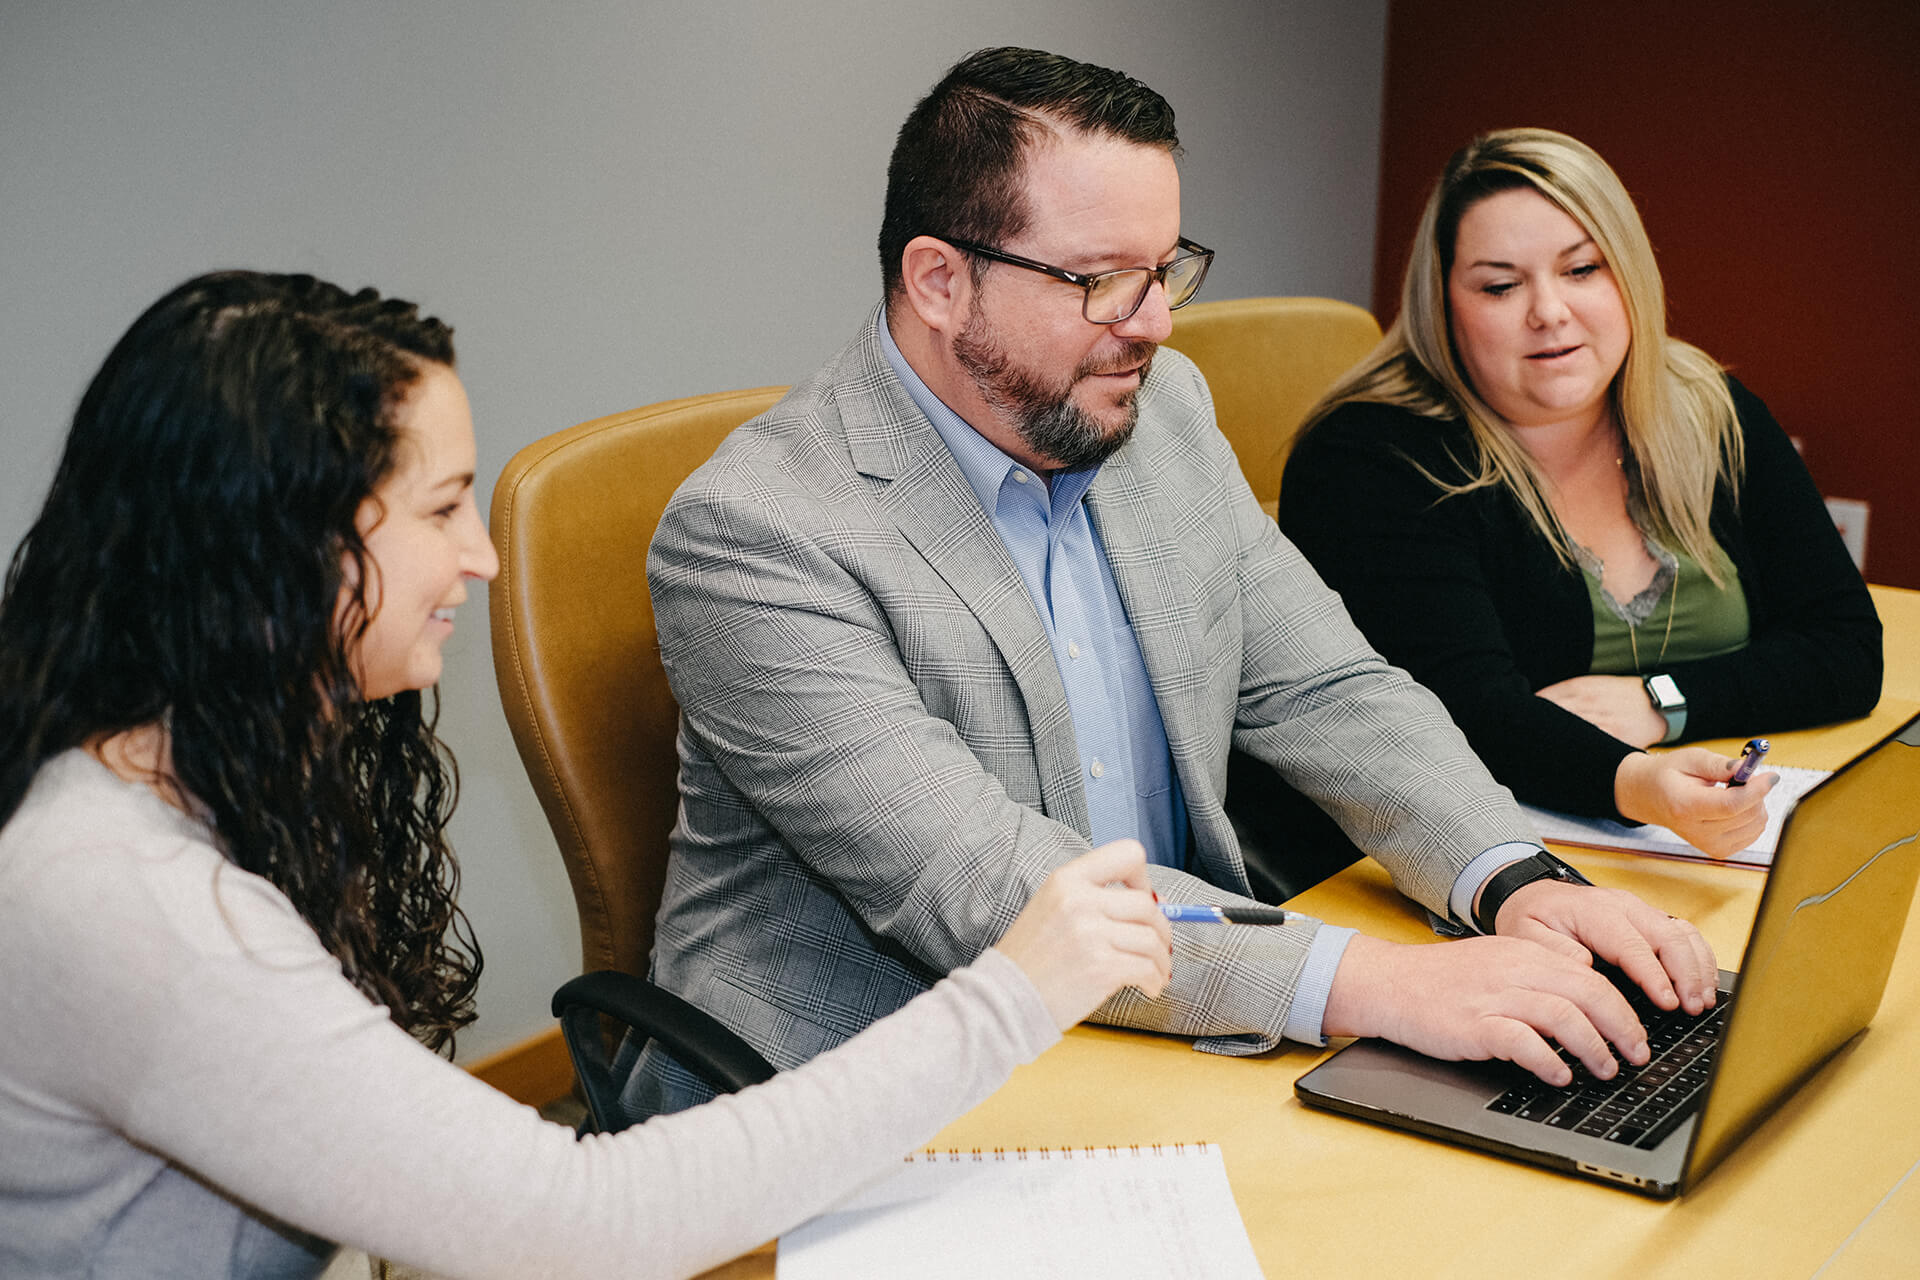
[{"x": 613, "y": 203}]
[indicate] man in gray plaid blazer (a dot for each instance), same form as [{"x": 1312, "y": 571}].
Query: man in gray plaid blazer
[{"x": 990, "y": 587}]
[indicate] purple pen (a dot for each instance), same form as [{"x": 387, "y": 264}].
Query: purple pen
[{"x": 1749, "y": 761}]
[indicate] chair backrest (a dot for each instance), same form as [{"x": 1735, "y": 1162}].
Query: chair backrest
[
  {"x": 1266, "y": 361},
  {"x": 575, "y": 655}
]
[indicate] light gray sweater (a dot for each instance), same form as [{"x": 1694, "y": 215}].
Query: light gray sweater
[{"x": 188, "y": 1086}]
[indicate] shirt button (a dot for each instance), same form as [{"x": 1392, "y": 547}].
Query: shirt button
[
  {"x": 1019, "y": 477},
  {"x": 1073, "y": 648},
  {"x": 1098, "y": 770}
]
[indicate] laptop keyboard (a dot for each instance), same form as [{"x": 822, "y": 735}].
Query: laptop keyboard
[{"x": 1640, "y": 1106}]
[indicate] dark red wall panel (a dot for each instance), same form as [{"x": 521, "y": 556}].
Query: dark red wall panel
[{"x": 1773, "y": 150}]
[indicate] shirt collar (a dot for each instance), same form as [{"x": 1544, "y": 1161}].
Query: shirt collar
[{"x": 982, "y": 462}]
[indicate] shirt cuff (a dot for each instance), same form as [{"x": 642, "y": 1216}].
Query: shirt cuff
[
  {"x": 1309, "y": 1008},
  {"x": 1479, "y": 871}
]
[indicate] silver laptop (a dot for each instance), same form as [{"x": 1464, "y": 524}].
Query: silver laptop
[{"x": 1816, "y": 964}]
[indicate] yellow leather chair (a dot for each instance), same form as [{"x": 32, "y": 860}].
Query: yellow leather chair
[
  {"x": 1266, "y": 361},
  {"x": 584, "y": 693}
]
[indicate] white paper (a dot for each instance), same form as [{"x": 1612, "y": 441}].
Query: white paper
[{"x": 1164, "y": 1213}]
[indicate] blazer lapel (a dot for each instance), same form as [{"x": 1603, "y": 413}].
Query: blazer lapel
[
  {"x": 937, "y": 511},
  {"x": 1161, "y": 606}
]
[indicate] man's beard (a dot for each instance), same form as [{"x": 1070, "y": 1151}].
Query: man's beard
[{"x": 1050, "y": 424}]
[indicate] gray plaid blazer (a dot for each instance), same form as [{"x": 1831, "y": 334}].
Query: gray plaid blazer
[{"x": 877, "y": 765}]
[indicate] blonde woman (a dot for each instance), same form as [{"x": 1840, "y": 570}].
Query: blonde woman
[{"x": 1580, "y": 532}]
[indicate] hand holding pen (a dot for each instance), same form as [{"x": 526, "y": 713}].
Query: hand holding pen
[
  {"x": 1090, "y": 929},
  {"x": 1687, "y": 791}
]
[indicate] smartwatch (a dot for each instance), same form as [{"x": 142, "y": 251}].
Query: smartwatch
[
  {"x": 1669, "y": 702},
  {"x": 1502, "y": 884}
]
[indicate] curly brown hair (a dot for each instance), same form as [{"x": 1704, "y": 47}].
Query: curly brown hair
[{"x": 188, "y": 569}]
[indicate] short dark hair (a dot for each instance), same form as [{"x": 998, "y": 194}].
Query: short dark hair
[
  {"x": 188, "y": 570},
  {"x": 956, "y": 165}
]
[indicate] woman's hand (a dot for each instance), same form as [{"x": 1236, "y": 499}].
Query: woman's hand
[
  {"x": 1093, "y": 928},
  {"x": 1678, "y": 789},
  {"x": 1617, "y": 704}
]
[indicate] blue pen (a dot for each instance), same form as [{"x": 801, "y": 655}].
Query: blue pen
[
  {"x": 1749, "y": 761},
  {"x": 1199, "y": 913}
]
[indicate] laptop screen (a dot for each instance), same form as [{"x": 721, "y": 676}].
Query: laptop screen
[{"x": 1823, "y": 940}]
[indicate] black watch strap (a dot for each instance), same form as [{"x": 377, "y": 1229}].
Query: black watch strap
[{"x": 1541, "y": 866}]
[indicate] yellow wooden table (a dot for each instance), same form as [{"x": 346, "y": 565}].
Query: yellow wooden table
[
  {"x": 1829, "y": 1185},
  {"x": 1900, "y": 616},
  {"x": 1324, "y": 1195}
]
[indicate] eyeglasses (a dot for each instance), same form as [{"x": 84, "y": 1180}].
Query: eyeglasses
[{"x": 1112, "y": 296}]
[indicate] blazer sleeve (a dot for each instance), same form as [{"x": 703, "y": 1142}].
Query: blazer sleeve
[
  {"x": 790, "y": 676},
  {"x": 1814, "y": 651},
  {"x": 1373, "y": 749},
  {"x": 1416, "y": 574}
]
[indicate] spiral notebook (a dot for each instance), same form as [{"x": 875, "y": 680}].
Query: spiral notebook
[
  {"x": 1160, "y": 1211},
  {"x": 1600, "y": 833}
]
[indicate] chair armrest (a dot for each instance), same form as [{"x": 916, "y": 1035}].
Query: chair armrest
[{"x": 696, "y": 1039}]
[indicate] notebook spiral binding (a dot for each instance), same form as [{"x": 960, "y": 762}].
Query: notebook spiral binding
[{"x": 955, "y": 1155}]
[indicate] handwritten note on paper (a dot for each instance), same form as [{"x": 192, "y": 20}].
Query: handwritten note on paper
[{"x": 1163, "y": 1212}]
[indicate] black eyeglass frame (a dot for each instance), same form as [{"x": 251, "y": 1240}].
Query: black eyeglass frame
[{"x": 1088, "y": 283}]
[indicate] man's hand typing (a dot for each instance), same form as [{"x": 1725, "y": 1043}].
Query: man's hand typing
[
  {"x": 1485, "y": 998},
  {"x": 1666, "y": 957}
]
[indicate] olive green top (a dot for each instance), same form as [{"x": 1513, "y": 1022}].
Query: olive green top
[{"x": 1681, "y": 616}]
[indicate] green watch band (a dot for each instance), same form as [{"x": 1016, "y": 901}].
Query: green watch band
[{"x": 1669, "y": 702}]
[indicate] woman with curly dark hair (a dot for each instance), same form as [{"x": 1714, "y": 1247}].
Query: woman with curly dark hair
[{"x": 226, "y": 894}]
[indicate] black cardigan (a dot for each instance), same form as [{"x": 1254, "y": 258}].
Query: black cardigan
[{"x": 1468, "y": 596}]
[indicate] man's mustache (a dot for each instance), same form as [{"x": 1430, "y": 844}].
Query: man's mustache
[{"x": 1137, "y": 353}]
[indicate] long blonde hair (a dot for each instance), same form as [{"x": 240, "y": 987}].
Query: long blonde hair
[{"x": 1669, "y": 398}]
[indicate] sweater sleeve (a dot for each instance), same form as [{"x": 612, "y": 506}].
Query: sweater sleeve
[
  {"x": 217, "y": 1032},
  {"x": 1814, "y": 653},
  {"x": 1360, "y": 500}
]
